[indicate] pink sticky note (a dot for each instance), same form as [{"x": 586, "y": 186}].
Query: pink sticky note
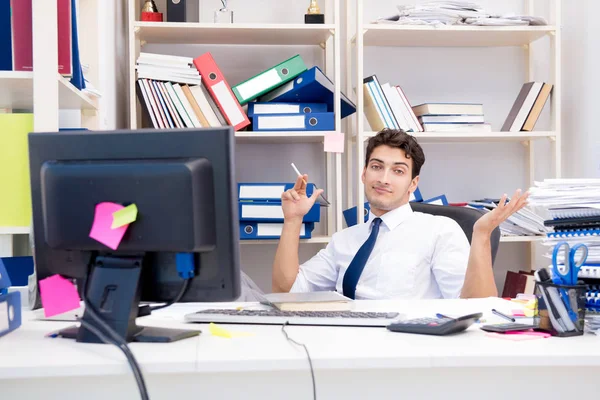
[
  {"x": 518, "y": 313},
  {"x": 101, "y": 228},
  {"x": 334, "y": 142},
  {"x": 58, "y": 295}
]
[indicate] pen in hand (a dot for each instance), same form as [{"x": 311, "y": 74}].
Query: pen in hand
[
  {"x": 511, "y": 319},
  {"x": 306, "y": 183}
]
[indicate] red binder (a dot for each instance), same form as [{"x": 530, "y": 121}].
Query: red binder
[
  {"x": 219, "y": 89},
  {"x": 23, "y": 38}
]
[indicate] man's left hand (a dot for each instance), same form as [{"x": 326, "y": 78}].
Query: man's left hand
[{"x": 489, "y": 221}]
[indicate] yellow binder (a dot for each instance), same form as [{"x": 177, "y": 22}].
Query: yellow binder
[{"x": 15, "y": 194}]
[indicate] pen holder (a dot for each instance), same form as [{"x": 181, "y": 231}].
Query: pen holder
[{"x": 560, "y": 309}]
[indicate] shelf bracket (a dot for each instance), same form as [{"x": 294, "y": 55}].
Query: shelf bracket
[
  {"x": 365, "y": 31},
  {"x": 552, "y": 33},
  {"x": 136, "y": 30},
  {"x": 525, "y": 47},
  {"x": 526, "y": 143},
  {"x": 142, "y": 43},
  {"x": 332, "y": 31},
  {"x": 322, "y": 45},
  {"x": 552, "y": 138}
]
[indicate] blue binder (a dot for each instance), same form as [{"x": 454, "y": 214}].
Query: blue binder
[
  {"x": 6, "y": 62},
  {"x": 77, "y": 78},
  {"x": 270, "y": 230},
  {"x": 441, "y": 200},
  {"x": 258, "y": 108},
  {"x": 311, "y": 86},
  {"x": 294, "y": 122},
  {"x": 270, "y": 192},
  {"x": 261, "y": 211},
  {"x": 10, "y": 304}
]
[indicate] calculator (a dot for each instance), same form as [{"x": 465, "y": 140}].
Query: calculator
[
  {"x": 510, "y": 326},
  {"x": 435, "y": 326}
]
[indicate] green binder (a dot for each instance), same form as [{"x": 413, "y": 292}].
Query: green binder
[{"x": 268, "y": 80}]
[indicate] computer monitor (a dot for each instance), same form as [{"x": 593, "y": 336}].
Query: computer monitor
[{"x": 182, "y": 182}]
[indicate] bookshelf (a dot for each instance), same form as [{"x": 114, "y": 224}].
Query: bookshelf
[
  {"x": 43, "y": 91},
  {"x": 389, "y": 35},
  {"x": 323, "y": 37}
]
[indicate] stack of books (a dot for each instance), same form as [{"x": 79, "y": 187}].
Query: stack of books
[
  {"x": 261, "y": 214},
  {"x": 451, "y": 117},
  {"x": 387, "y": 106},
  {"x": 527, "y": 107}
]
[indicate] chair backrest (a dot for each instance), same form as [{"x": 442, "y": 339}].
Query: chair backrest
[{"x": 465, "y": 217}]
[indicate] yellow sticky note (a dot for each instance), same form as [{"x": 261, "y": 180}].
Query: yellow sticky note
[
  {"x": 216, "y": 330},
  {"x": 15, "y": 194},
  {"x": 124, "y": 216}
]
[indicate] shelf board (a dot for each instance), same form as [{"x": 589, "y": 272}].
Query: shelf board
[
  {"x": 470, "y": 137},
  {"x": 207, "y": 33},
  {"x": 280, "y": 137},
  {"x": 14, "y": 230},
  {"x": 452, "y": 35},
  {"x": 314, "y": 240},
  {"x": 521, "y": 239},
  {"x": 16, "y": 92}
]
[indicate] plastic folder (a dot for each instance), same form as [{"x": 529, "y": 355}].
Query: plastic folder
[
  {"x": 257, "y": 108},
  {"x": 268, "y": 80},
  {"x": 10, "y": 305},
  {"x": 294, "y": 122},
  {"x": 311, "y": 86},
  {"x": 260, "y": 211},
  {"x": 269, "y": 230}
]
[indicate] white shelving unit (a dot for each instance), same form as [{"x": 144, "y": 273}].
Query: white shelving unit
[
  {"x": 44, "y": 90},
  {"x": 369, "y": 34},
  {"x": 326, "y": 36}
]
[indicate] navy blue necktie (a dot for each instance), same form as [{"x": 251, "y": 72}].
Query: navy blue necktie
[{"x": 359, "y": 261}]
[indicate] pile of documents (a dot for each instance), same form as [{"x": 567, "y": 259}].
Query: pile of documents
[
  {"x": 524, "y": 222},
  {"x": 571, "y": 208},
  {"x": 454, "y": 13}
]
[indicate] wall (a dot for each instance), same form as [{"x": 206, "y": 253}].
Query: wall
[{"x": 461, "y": 171}]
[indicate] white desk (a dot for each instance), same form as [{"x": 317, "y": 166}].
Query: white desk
[{"x": 350, "y": 363}]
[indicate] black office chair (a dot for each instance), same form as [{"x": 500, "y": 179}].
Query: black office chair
[{"x": 465, "y": 217}]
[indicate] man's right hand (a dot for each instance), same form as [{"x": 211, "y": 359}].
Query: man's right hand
[{"x": 294, "y": 201}]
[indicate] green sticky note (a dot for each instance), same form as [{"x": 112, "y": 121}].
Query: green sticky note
[{"x": 124, "y": 216}]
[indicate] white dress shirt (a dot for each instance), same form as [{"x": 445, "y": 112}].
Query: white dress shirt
[{"x": 416, "y": 256}]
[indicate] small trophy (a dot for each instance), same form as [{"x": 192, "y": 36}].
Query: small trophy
[
  {"x": 314, "y": 15},
  {"x": 150, "y": 12},
  {"x": 224, "y": 15}
]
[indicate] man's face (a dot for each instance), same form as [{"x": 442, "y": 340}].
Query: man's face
[{"x": 388, "y": 179}]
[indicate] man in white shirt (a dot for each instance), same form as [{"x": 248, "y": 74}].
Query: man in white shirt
[{"x": 398, "y": 253}]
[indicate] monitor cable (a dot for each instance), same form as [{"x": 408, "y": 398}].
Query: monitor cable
[{"x": 312, "y": 372}]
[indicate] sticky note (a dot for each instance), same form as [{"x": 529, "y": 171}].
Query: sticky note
[
  {"x": 334, "y": 142},
  {"x": 101, "y": 227},
  {"x": 518, "y": 313},
  {"x": 58, "y": 295},
  {"x": 514, "y": 338},
  {"x": 124, "y": 216},
  {"x": 219, "y": 331}
]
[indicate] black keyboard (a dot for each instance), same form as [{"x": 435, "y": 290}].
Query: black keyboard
[{"x": 277, "y": 317}]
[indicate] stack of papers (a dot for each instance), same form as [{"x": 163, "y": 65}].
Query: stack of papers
[
  {"x": 557, "y": 199},
  {"x": 524, "y": 222},
  {"x": 454, "y": 13}
]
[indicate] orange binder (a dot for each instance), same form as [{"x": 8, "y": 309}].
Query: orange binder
[{"x": 221, "y": 92}]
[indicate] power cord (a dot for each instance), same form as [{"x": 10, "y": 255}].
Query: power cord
[
  {"x": 177, "y": 299},
  {"x": 116, "y": 340},
  {"x": 312, "y": 372}
]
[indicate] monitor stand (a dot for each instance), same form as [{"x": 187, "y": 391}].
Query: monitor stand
[{"x": 113, "y": 291}]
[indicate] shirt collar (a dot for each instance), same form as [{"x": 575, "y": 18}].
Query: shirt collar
[{"x": 393, "y": 218}]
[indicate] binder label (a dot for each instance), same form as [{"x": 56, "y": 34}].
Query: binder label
[
  {"x": 260, "y": 84},
  {"x": 287, "y": 122},
  {"x": 262, "y": 212},
  {"x": 261, "y": 192},
  {"x": 274, "y": 230},
  {"x": 228, "y": 103}
]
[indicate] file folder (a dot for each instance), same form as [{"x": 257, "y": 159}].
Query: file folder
[
  {"x": 311, "y": 86},
  {"x": 6, "y": 62},
  {"x": 256, "y": 108},
  {"x": 268, "y": 80},
  {"x": 267, "y": 230},
  {"x": 260, "y": 211},
  {"x": 270, "y": 192},
  {"x": 220, "y": 91},
  {"x": 10, "y": 304},
  {"x": 294, "y": 122}
]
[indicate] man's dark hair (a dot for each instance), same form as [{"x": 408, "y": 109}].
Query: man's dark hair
[{"x": 401, "y": 140}]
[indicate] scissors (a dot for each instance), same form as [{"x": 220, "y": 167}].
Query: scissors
[{"x": 571, "y": 266}]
